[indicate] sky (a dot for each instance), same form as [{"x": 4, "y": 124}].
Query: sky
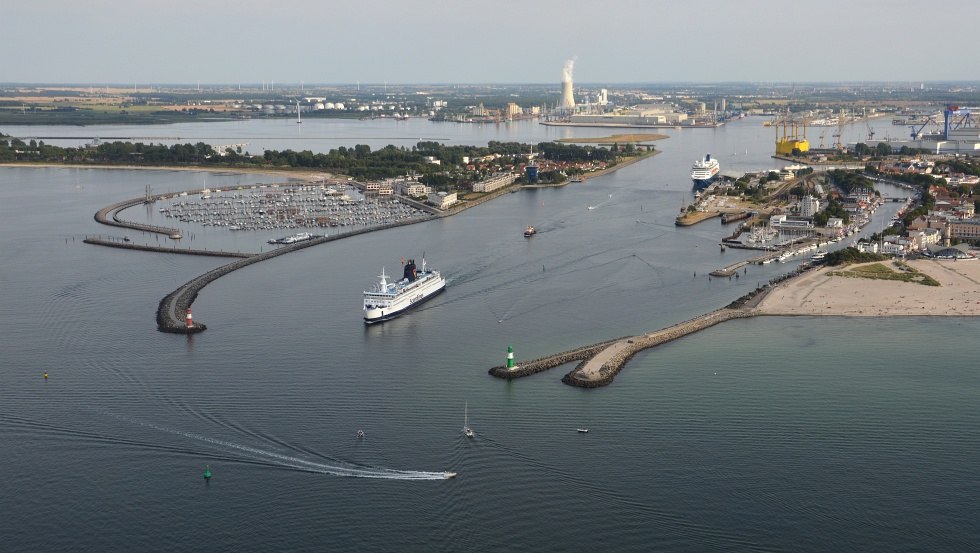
[{"x": 500, "y": 41}]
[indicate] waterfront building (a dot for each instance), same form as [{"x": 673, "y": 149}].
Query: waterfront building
[
  {"x": 922, "y": 239},
  {"x": 495, "y": 182},
  {"x": 416, "y": 190},
  {"x": 385, "y": 188},
  {"x": 967, "y": 230},
  {"x": 442, "y": 200}
]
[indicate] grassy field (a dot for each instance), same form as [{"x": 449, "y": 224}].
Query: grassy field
[
  {"x": 878, "y": 271},
  {"x": 617, "y": 139}
]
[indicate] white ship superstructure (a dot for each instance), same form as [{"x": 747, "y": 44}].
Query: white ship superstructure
[
  {"x": 387, "y": 300},
  {"x": 704, "y": 170}
]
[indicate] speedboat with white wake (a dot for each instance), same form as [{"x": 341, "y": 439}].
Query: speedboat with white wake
[{"x": 387, "y": 300}]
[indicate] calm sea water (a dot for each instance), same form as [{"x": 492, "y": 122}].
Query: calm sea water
[{"x": 771, "y": 434}]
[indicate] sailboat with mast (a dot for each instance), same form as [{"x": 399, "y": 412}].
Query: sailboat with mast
[{"x": 466, "y": 422}]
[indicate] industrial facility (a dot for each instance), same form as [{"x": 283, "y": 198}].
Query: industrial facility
[
  {"x": 567, "y": 103},
  {"x": 790, "y": 141},
  {"x": 959, "y": 134}
]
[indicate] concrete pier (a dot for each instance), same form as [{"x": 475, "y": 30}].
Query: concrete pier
[
  {"x": 161, "y": 249},
  {"x": 109, "y": 215}
]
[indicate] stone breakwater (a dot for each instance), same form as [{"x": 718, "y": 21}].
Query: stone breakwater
[
  {"x": 544, "y": 363},
  {"x": 109, "y": 215},
  {"x": 593, "y": 373},
  {"x": 600, "y": 362},
  {"x": 170, "y": 312}
]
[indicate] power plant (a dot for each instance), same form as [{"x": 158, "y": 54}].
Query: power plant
[{"x": 567, "y": 102}]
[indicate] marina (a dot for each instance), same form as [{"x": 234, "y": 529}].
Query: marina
[{"x": 309, "y": 205}]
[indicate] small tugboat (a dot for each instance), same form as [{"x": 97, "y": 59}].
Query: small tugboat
[{"x": 530, "y": 231}]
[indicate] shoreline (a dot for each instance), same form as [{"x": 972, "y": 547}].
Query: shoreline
[
  {"x": 812, "y": 292},
  {"x": 172, "y": 306},
  {"x": 626, "y": 126},
  {"x": 599, "y": 173},
  {"x": 816, "y": 293},
  {"x": 301, "y": 174}
]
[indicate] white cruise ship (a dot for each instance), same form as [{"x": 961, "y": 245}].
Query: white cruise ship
[
  {"x": 387, "y": 300},
  {"x": 704, "y": 171}
]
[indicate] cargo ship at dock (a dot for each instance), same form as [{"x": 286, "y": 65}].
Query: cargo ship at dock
[{"x": 386, "y": 300}]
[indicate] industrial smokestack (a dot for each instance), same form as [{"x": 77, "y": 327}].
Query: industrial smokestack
[{"x": 567, "y": 100}]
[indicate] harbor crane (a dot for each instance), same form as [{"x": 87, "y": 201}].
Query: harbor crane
[
  {"x": 841, "y": 121},
  {"x": 917, "y": 133},
  {"x": 950, "y": 121},
  {"x": 867, "y": 122}
]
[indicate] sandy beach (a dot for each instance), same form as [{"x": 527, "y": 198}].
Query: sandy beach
[{"x": 819, "y": 293}]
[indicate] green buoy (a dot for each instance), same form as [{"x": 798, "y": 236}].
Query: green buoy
[{"x": 207, "y": 472}]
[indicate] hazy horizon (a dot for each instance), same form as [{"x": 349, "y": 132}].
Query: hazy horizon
[
  {"x": 425, "y": 42},
  {"x": 556, "y": 84}
]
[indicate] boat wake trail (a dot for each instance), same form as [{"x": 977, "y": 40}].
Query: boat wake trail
[{"x": 271, "y": 458}]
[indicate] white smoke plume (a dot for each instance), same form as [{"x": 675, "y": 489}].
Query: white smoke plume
[{"x": 566, "y": 71}]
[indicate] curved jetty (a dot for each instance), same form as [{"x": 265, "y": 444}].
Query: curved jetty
[
  {"x": 170, "y": 312},
  {"x": 173, "y": 307},
  {"x": 103, "y": 216},
  {"x": 602, "y": 361}
]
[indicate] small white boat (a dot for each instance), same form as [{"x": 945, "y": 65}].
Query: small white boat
[
  {"x": 582, "y": 430},
  {"x": 466, "y": 427},
  {"x": 449, "y": 475}
]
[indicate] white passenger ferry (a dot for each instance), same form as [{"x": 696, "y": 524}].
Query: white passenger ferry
[{"x": 387, "y": 300}]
